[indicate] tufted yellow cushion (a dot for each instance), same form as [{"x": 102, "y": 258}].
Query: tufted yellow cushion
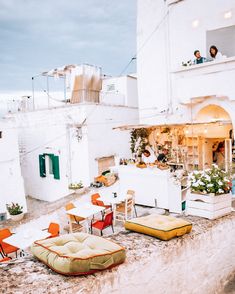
[
  {"x": 160, "y": 226},
  {"x": 78, "y": 254}
]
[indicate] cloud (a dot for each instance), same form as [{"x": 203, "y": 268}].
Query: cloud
[{"x": 39, "y": 35}]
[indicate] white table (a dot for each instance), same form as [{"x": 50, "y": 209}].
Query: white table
[
  {"x": 85, "y": 210},
  {"x": 24, "y": 239},
  {"x": 113, "y": 201}
]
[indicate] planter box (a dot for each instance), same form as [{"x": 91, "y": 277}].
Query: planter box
[
  {"x": 78, "y": 191},
  {"x": 209, "y": 206}
]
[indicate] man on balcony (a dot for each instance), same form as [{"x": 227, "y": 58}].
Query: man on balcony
[{"x": 199, "y": 58}]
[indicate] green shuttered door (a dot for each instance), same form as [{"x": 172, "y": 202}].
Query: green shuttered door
[
  {"x": 56, "y": 167},
  {"x": 42, "y": 166}
]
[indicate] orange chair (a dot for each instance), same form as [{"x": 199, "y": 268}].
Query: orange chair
[
  {"x": 94, "y": 198},
  {"x": 101, "y": 203},
  {"x": 74, "y": 220},
  {"x": 5, "y": 248},
  {"x": 5, "y": 259},
  {"x": 103, "y": 224},
  {"x": 53, "y": 229}
]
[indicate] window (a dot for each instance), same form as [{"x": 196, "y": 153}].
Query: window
[
  {"x": 49, "y": 164},
  {"x": 223, "y": 39}
]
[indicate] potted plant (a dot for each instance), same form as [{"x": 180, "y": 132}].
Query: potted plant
[
  {"x": 16, "y": 211},
  {"x": 77, "y": 187},
  {"x": 210, "y": 195}
]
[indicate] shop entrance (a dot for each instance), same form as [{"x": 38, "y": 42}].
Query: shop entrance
[
  {"x": 217, "y": 137},
  {"x": 206, "y": 140}
]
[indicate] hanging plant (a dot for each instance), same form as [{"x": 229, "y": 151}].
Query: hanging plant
[{"x": 139, "y": 141}]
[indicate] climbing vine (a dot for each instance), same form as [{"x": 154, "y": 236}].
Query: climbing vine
[{"x": 139, "y": 141}]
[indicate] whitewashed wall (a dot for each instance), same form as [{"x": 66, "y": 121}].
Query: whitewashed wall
[
  {"x": 124, "y": 91},
  {"x": 54, "y": 131},
  {"x": 103, "y": 140},
  {"x": 11, "y": 181},
  {"x": 164, "y": 41}
]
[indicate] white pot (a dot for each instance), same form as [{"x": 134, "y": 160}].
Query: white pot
[
  {"x": 208, "y": 205},
  {"x": 17, "y": 217},
  {"x": 78, "y": 191}
]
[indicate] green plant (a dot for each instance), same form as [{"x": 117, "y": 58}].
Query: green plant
[
  {"x": 14, "y": 208},
  {"x": 139, "y": 141},
  {"x": 75, "y": 186},
  {"x": 213, "y": 180}
]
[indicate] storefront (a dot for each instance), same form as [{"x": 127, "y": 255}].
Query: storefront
[{"x": 196, "y": 145}]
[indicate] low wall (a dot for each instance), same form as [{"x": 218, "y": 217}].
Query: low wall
[{"x": 198, "y": 263}]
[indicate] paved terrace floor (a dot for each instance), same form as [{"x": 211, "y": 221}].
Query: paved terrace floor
[{"x": 28, "y": 275}]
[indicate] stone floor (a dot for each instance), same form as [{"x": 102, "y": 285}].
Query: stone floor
[{"x": 27, "y": 275}]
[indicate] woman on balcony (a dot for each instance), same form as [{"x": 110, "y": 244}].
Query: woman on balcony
[{"x": 215, "y": 54}]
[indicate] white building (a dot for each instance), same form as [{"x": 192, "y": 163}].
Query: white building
[
  {"x": 168, "y": 32},
  {"x": 120, "y": 91},
  {"x": 11, "y": 181},
  {"x": 76, "y": 141}
]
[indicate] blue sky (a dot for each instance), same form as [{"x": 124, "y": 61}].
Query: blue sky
[{"x": 39, "y": 35}]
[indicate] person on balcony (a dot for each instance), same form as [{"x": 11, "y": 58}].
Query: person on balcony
[
  {"x": 199, "y": 59},
  {"x": 215, "y": 54}
]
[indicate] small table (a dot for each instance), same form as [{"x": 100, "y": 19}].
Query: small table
[
  {"x": 24, "y": 239},
  {"x": 84, "y": 210},
  {"x": 114, "y": 201}
]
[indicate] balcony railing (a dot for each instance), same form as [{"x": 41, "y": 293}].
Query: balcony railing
[{"x": 214, "y": 78}]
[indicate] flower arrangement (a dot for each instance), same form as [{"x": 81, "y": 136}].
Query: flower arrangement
[
  {"x": 187, "y": 63},
  {"x": 209, "y": 181},
  {"x": 75, "y": 186},
  {"x": 14, "y": 208}
]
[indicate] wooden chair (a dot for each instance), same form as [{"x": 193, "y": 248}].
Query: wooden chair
[
  {"x": 103, "y": 224},
  {"x": 94, "y": 198},
  {"x": 74, "y": 221},
  {"x": 53, "y": 229},
  {"x": 132, "y": 192},
  {"x": 125, "y": 210},
  {"x": 5, "y": 248}
]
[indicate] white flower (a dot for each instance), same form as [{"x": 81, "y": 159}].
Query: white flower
[
  {"x": 201, "y": 183},
  {"x": 220, "y": 183},
  {"x": 221, "y": 191},
  {"x": 226, "y": 180},
  {"x": 209, "y": 185},
  {"x": 196, "y": 172},
  {"x": 208, "y": 178},
  {"x": 215, "y": 165},
  {"x": 195, "y": 184}
]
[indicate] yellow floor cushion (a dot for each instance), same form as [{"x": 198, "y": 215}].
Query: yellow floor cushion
[
  {"x": 78, "y": 254},
  {"x": 159, "y": 226}
]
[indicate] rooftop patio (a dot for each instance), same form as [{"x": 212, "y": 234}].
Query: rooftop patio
[{"x": 151, "y": 266}]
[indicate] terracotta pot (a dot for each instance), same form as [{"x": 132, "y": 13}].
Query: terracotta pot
[{"x": 17, "y": 217}]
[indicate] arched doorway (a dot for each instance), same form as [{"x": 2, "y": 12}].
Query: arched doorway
[{"x": 217, "y": 136}]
